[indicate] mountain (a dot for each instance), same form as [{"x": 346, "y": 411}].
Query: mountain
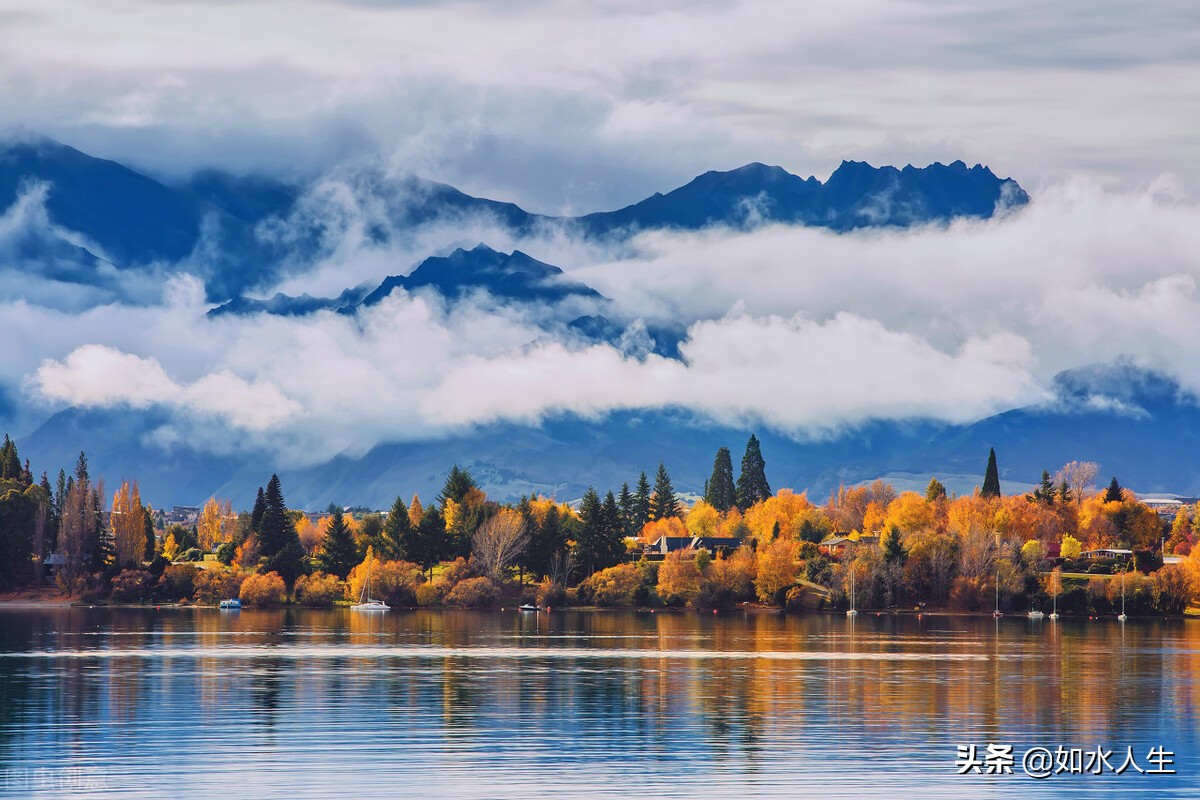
[
  {"x": 511, "y": 276},
  {"x": 1137, "y": 425},
  {"x": 240, "y": 232},
  {"x": 856, "y": 195}
]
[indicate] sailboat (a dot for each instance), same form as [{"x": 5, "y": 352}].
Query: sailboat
[
  {"x": 1057, "y": 589},
  {"x": 852, "y": 612},
  {"x": 997, "y": 613},
  {"x": 365, "y": 603},
  {"x": 1122, "y": 618}
]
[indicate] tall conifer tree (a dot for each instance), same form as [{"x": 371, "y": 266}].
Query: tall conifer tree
[
  {"x": 991, "y": 477},
  {"x": 752, "y": 483},
  {"x": 720, "y": 492},
  {"x": 663, "y": 503}
]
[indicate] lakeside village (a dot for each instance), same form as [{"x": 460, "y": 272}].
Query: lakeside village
[{"x": 1064, "y": 546}]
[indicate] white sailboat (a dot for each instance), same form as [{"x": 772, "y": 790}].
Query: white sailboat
[
  {"x": 365, "y": 603},
  {"x": 1122, "y": 617}
]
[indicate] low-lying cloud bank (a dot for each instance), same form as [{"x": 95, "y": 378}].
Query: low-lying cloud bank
[{"x": 798, "y": 329}]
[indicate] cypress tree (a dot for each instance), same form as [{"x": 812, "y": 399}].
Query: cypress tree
[
  {"x": 397, "y": 532},
  {"x": 991, "y": 477},
  {"x": 663, "y": 503},
  {"x": 752, "y": 483},
  {"x": 641, "y": 503},
  {"x": 1114, "y": 494},
  {"x": 260, "y": 508},
  {"x": 338, "y": 552},
  {"x": 148, "y": 532},
  {"x": 719, "y": 491}
]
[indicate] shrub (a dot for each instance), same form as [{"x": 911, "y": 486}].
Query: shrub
[
  {"x": 194, "y": 554},
  {"x": 178, "y": 582},
  {"x": 615, "y": 586},
  {"x": 131, "y": 585},
  {"x": 395, "y": 582},
  {"x": 262, "y": 590},
  {"x": 1170, "y": 589},
  {"x": 318, "y": 589},
  {"x": 431, "y": 593},
  {"x": 226, "y": 552},
  {"x": 474, "y": 593},
  {"x": 550, "y": 593},
  {"x": 213, "y": 585}
]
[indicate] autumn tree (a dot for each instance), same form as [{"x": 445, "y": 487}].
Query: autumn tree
[
  {"x": 720, "y": 491},
  {"x": 499, "y": 542},
  {"x": 679, "y": 579},
  {"x": 339, "y": 554},
  {"x": 128, "y": 521},
  {"x": 1070, "y": 548},
  {"x": 776, "y": 569},
  {"x": 663, "y": 502},
  {"x": 752, "y": 483},
  {"x": 991, "y": 477}
]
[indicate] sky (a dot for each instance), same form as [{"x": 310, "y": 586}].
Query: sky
[
  {"x": 571, "y": 107},
  {"x": 581, "y": 106}
]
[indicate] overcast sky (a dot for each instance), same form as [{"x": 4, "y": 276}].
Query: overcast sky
[
  {"x": 568, "y": 106},
  {"x": 574, "y": 106}
]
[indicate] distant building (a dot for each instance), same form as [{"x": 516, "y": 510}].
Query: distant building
[
  {"x": 665, "y": 545},
  {"x": 1106, "y": 552},
  {"x": 838, "y": 545},
  {"x": 1165, "y": 507}
]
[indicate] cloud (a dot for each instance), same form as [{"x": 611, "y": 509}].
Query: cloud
[
  {"x": 576, "y": 107},
  {"x": 802, "y": 330}
]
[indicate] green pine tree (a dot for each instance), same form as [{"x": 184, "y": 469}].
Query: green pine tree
[
  {"x": 339, "y": 554},
  {"x": 458, "y": 482},
  {"x": 628, "y": 514},
  {"x": 277, "y": 538},
  {"x": 720, "y": 491},
  {"x": 752, "y": 483},
  {"x": 1114, "y": 493},
  {"x": 663, "y": 503},
  {"x": 991, "y": 477},
  {"x": 641, "y": 503},
  {"x": 398, "y": 532},
  {"x": 600, "y": 543},
  {"x": 893, "y": 546}
]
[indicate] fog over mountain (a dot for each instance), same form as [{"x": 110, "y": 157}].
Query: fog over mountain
[{"x": 359, "y": 329}]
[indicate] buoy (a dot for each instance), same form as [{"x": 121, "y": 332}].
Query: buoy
[{"x": 714, "y": 611}]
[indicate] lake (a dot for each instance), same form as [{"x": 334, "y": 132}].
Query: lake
[{"x": 296, "y": 703}]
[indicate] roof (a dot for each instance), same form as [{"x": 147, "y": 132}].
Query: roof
[
  {"x": 716, "y": 541},
  {"x": 1113, "y": 550}
]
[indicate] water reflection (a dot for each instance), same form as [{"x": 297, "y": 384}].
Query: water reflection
[{"x": 298, "y": 703}]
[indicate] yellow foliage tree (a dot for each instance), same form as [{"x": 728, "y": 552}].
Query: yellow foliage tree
[
  {"x": 128, "y": 525},
  {"x": 911, "y": 513},
  {"x": 670, "y": 526},
  {"x": 1071, "y": 547},
  {"x": 415, "y": 511},
  {"x": 776, "y": 568},
  {"x": 679, "y": 578},
  {"x": 170, "y": 548},
  {"x": 703, "y": 520}
]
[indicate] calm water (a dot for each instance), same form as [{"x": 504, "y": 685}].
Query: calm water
[{"x": 201, "y": 703}]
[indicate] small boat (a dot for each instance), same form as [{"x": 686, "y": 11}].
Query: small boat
[
  {"x": 1035, "y": 614},
  {"x": 528, "y": 607},
  {"x": 233, "y": 603},
  {"x": 365, "y": 603},
  {"x": 852, "y": 612}
]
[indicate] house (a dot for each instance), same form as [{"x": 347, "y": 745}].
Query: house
[
  {"x": 838, "y": 545},
  {"x": 1106, "y": 552},
  {"x": 716, "y": 544},
  {"x": 669, "y": 544}
]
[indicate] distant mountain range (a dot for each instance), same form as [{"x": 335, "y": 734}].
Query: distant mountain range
[
  {"x": 103, "y": 211},
  {"x": 1137, "y": 425}
]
